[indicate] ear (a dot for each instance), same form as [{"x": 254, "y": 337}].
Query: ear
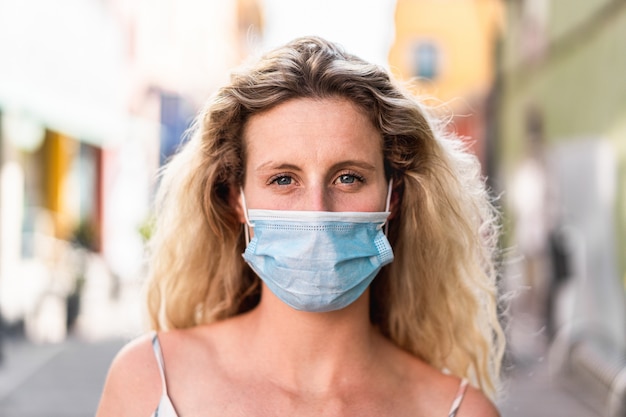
[{"x": 236, "y": 203}]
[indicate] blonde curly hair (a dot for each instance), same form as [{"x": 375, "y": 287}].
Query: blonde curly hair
[{"x": 437, "y": 300}]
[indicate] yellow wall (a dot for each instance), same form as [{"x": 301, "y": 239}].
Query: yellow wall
[
  {"x": 58, "y": 153},
  {"x": 464, "y": 32}
]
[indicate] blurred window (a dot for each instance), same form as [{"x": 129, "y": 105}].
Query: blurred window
[
  {"x": 425, "y": 60},
  {"x": 176, "y": 117}
]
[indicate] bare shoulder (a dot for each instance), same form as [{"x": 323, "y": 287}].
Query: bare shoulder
[
  {"x": 133, "y": 384},
  {"x": 476, "y": 404},
  {"x": 433, "y": 392}
]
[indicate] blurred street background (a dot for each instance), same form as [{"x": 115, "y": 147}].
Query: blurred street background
[{"x": 95, "y": 95}]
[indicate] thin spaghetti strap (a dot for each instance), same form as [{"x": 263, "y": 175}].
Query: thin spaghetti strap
[
  {"x": 458, "y": 398},
  {"x": 156, "y": 346},
  {"x": 165, "y": 407}
]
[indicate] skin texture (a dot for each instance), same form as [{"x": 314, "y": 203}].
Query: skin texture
[
  {"x": 322, "y": 158},
  {"x": 275, "y": 361}
]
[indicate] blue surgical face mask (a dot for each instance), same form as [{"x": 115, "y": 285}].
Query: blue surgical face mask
[{"x": 317, "y": 261}]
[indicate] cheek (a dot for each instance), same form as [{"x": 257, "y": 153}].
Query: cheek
[
  {"x": 373, "y": 201},
  {"x": 259, "y": 197}
]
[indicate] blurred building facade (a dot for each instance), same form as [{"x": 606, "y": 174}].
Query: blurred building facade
[
  {"x": 94, "y": 97},
  {"x": 561, "y": 129},
  {"x": 62, "y": 102},
  {"x": 447, "y": 50}
]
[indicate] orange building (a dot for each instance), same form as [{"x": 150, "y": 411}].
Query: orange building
[{"x": 447, "y": 49}]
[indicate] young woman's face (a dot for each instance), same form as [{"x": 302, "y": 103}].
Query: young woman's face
[{"x": 314, "y": 155}]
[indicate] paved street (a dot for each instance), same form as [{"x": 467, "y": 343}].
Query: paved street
[
  {"x": 53, "y": 380},
  {"x": 531, "y": 392}
]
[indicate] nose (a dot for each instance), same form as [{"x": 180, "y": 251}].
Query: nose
[{"x": 317, "y": 199}]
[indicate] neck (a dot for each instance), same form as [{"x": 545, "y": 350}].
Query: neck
[{"x": 311, "y": 352}]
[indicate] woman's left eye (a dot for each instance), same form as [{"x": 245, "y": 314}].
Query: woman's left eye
[{"x": 348, "y": 179}]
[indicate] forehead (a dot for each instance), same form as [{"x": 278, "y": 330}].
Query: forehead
[{"x": 333, "y": 122}]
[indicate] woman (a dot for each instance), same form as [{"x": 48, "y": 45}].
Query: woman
[{"x": 366, "y": 285}]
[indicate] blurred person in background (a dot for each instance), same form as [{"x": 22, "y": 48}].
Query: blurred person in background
[
  {"x": 538, "y": 242},
  {"x": 367, "y": 282}
]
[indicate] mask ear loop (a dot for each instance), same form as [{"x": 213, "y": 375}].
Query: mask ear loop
[
  {"x": 388, "y": 203},
  {"x": 245, "y": 215}
]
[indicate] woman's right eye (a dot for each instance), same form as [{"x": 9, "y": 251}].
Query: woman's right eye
[{"x": 281, "y": 180}]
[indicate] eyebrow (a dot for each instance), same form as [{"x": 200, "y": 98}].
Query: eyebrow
[
  {"x": 342, "y": 164},
  {"x": 276, "y": 165}
]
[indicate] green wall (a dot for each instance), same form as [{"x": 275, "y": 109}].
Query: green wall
[{"x": 579, "y": 84}]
